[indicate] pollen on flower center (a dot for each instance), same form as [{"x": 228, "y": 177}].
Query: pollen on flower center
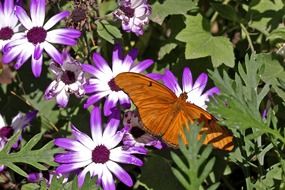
[
  {"x": 6, "y": 33},
  {"x": 129, "y": 12},
  {"x": 68, "y": 77},
  {"x": 113, "y": 86},
  {"x": 6, "y": 132},
  {"x": 100, "y": 154},
  {"x": 37, "y": 35}
]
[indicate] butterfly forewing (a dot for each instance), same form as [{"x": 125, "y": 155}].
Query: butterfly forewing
[{"x": 152, "y": 99}]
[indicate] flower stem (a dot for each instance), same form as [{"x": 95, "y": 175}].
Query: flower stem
[{"x": 248, "y": 37}]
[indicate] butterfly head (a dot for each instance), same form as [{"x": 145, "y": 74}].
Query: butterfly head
[
  {"x": 113, "y": 86},
  {"x": 183, "y": 96}
]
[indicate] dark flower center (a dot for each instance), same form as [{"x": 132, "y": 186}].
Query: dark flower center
[
  {"x": 6, "y": 132},
  {"x": 100, "y": 154},
  {"x": 68, "y": 77},
  {"x": 78, "y": 14},
  {"x": 113, "y": 86},
  {"x": 37, "y": 35},
  {"x": 6, "y": 33},
  {"x": 129, "y": 12}
]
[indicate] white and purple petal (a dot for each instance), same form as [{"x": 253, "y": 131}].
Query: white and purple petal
[
  {"x": 55, "y": 19},
  {"x": 120, "y": 173}
]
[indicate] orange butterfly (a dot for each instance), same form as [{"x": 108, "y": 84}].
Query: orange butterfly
[{"x": 165, "y": 115}]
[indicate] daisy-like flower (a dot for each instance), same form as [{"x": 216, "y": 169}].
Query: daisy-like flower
[
  {"x": 194, "y": 91},
  {"x": 38, "y": 37},
  {"x": 102, "y": 82},
  {"x": 20, "y": 121},
  {"x": 98, "y": 155},
  {"x": 134, "y": 15},
  {"x": 69, "y": 79},
  {"x": 9, "y": 26}
]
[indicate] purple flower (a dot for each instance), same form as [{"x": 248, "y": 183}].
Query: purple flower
[
  {"x": 9, "y": 26},
  {"x": 35, "y": 177},
  {"x": 194, "y": 91},
  {"x": 134, "y": 15},
  {"x": 102, "y": 81},
  {"x": 38, "y": 37},
  {"x": 98, "y": 155},
  {"x": 69, "y": 79},
  {"x": 20, "y": 121}
]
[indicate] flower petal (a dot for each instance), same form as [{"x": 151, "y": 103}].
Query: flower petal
[
  {"x": 2, "y": 122},
  {"x": 120, "y": 173},
  {"x": 101, "y": 64},
  {"x": 53, "y": 52},
  {"x": 38, "y": 51},
  {"x": 83, "y": 138},
  {"x": 95, "y": 98},
  {"x": 117, "y": 56},
  {"x": 70, "y": 144},
  {"x": 200, "y": 83},
  {"x": 64, "y": 168},
  {"x": 23, "y": 57},
  {"x": 37, "y": 66},
  {"x": 141, "y": 66},
  {"x": 55, "y": 19},
  {"x": 96, "y": 125},
  {"x": 118, "y": 155},
  {"x": 11, "y": 54},
  {"x": 107, "y": 180},
  {"x": 8, "y": 7},
  {"x": 171, "y": 82},
  {"x": 187, "y": 80},
  {"x": 66, "y": 32},
  {"x": 23, "y": 17},
  {"x": 57, "y": 39},
  {"x": 62, "y": 98},
  {"x": 83, "y": 173},
  {"x": 129, "y": 60},
  {"x": 71, "y": 157},
  {"x": 110, "y": 103}
]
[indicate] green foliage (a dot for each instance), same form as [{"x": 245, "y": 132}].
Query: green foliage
[
  {"x": 199, "y": 164},
  {"x": 154, "y": 172},
  {"x": 238, "y": 107},
  {"x": 35, "y": 158},
  {"x": 200, "y": 42},
  {"x": 108, "y": 32},
  {"x": 171, "y": 7}
]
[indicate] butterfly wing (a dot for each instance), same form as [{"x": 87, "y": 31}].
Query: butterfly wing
[
  {"x": 153, "y": 100},
  {"x": 162, "y": 116}
]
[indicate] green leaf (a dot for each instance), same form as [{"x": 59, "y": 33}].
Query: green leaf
[
  {"x": 277, "y": 34},
  {"x": 30, "y": 186},
  {"x": 273, "y": 73},
  {"x": 166, "y": 49},
  {"x": 199, "y": 164},
  {"x": 171, "y": 7},
  {"x": 266, "y": 15},
  {"x": 226, "y": 11},
  {"x": 27, "y": 155},
  {"x": 200, "y": 42},
  {"x": 108, "y": 31}
]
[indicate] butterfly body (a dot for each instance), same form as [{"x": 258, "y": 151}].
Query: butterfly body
[{"x": 165, "y": 115}]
